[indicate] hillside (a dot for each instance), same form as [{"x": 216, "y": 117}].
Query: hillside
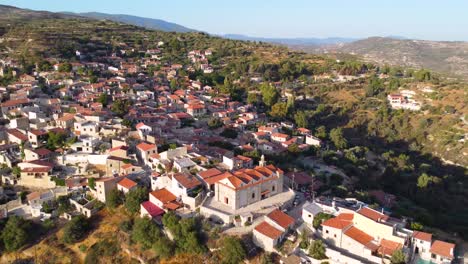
[
  {"x": 441, "y": 56},
  {"x": 150, "y": 23},
  {"x": 344, "y": 103},
  {"x": 293, "y": 41}
]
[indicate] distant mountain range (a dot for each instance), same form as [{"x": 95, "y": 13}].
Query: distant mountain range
[
  {"x": 293, "y": 41},
  {"x": 151, "y": 23},
  {"x": 442, "y": 56}
]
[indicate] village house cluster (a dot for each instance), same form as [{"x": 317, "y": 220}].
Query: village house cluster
[{"x": 74, "y": 144}]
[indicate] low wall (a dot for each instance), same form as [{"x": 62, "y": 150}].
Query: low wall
[{"x": 215, "y": 214}]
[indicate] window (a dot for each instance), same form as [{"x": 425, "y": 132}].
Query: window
[
  {"x": 326, "y": 231},
  {"x": 273, "y": 188},
  {"x": 253, "y": 195},
  {"x": 334, "y": 235},
  {"x": 226, "y": 200},
  {"x": 433, "y": 256}
]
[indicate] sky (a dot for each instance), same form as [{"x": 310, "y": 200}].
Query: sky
[{"x": 419, "y": 19}]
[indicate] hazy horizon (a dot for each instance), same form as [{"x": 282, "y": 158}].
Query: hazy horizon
[{"x": 429, "y": 20}]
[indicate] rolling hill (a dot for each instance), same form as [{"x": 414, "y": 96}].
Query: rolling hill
[
  {"x": 442, "y": 56},
  {"x": 293, "y": 41},
  {"x": 149, "y": 23}
]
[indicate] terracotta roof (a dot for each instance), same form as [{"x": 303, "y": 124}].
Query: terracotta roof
[
  {"x": 187, "y": 180},
  {"x": 281, "y": 218},
  {"x": 342, "y": 221},
  {"x": 268, "y": 230},
  {"x": 38, "y": 132},
  {"x": 173, "y": 205},
  {"x": 43, "y": 169},
  {"x": 33, "y": 196},
  {"x": 18, "y": 134},
  {"x": 127, "y": 183},
  {"x": 372, "y": 214},
  {"x": 122, "y": 147},
  {"x": 213, "y": 180},
  {"x": 209, "y": 173},
  {"x": 15, "y": 102},
  {"x": 387, "y": 247},
  {"x": 279, "y": 135},
  {"x": 443, "y": 249},
  {"x": 152, "y": 209},
  {"x": 422, "y": 236},
  {"x": 163, "y": 195},
  {"x": 42, "y": 151},
  {"x": 145, "y": 146},
  {"x": 361, "y": 237}
]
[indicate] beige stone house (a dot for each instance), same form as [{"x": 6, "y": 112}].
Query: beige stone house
[{"x": 271, "y": 232}]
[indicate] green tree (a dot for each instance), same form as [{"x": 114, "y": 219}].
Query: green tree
[
  {"x": 291, "y": 103},
  {"x": 321, "y": 132},
  {"x": 279, "y": 110},
  {"x": 92, "y": 183},
  {"x": 145, "y": 232},
  {"x": 229, "y": 133},
  {"x": 319, "y": 218},
  {"x": 134, "y": 198},
  {"x": 336, "y": 136},
  {"x": 76, "y": 229},
  {"x": 163, "y": 247},
  {"x": 173, "y": 84},
  {"x": 15, "y": 233},
  {"x": 121, "y": 107},
  {"x": 374, "y": 87},
  {"x": 55, "y": 140},
  {"x": 317, "y": 250},
  {"x": 65, "y": 67},
  {"x": 398, "y": 257},
  {"x": 253, "y": 98},
  {"x": 232, "y": 251},
  {"x": 16, "y": 171},
  {"x": 214, "y": 123},
  {"x": 103, "y": 99},
  {"x": 300, "y": 118},
  {"x": 269, "y": 94},
  {"x": 115, "y": 198},
  {"x": 417, "y": 226}
]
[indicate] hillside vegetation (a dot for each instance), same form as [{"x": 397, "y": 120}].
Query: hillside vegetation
[
  {"x": 449, "y": 57},
  {"x": 397, "y": 151}
]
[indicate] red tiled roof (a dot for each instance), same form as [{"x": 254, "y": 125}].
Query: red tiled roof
[
  {"x": 209, "y": 173},
  {"x": 16, "y": 133},
  {"x": 281, "y": 218},
  {"x": 442, "y": 248},
  {"x": 372, "y": 214},
  {"x": 127, "y": 183},
  {"x": 145, "y": 146},
  {"x": 342, "y": 221},
  {"x": 122, "y": 147},
  {"x": 152, "y": 209},
  {"x": 268, "y": 230},
  {"x": 361, "y": 237},
  {"x": 15, "y": 102},
  {"x": 163, "y": 195},
  {"x": 387, "y": 247},
  {"x": 42, "y": 151},
  {"x": 422, "y": 236},
  {"x": 213, "y": 180},
  {"x": 44, "y": 169},
  {"x": 187, "y": 180}
]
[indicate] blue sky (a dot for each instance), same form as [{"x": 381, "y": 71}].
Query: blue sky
[{"x": 422, "y": 19}]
